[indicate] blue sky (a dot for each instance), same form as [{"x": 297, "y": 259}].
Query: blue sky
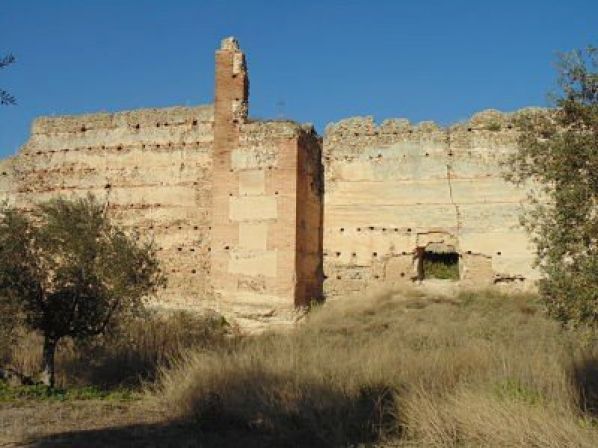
[{"x": 312, "y": 61}]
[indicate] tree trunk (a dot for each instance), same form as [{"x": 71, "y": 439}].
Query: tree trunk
[{"x": 48, "y": 361}]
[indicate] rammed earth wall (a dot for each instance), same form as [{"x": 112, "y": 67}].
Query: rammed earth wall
[
  {"x": 256, "y": 218},
  {"x": 152, "y": 168},
  {"x": 393, "y": 188}
]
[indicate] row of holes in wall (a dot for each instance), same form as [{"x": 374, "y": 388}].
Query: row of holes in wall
[
  {"x": 89, "y": 170},
  {"x": 378, "y": 157},
  {"x": 117, "y": 147},
  {"x": 258, "y": 168},
  {"x": 350, "y": 158},
  {"x": 158, "y": 124},
  {"x": 162, "y": 184},
  {"x": 354, "y": 254},
  {"x": 244, "y": 195},
  {"x": 180, "y": 249},
  {"x": 376, "y": 276},
  {"x": 383, "y": 229},
  {"x": 110, "y": 206},
  {"x": 166, "y": 227},
  {"x": 183, "y": 144},
  {"x": 174, "y": 271},
  {"x": 402, "y": 274},
  {"x": 375, "y": 254},
  {"x": 110, "y": 186},
  {"x": 373, "y": 133}
]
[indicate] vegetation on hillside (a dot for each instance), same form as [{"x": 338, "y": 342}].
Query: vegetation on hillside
[
  {"x": 480, "y": 369},
  {"x": 559, "y": 155}
]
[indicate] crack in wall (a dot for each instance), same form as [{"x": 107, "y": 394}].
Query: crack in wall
[{"x": 450, "y": 185}]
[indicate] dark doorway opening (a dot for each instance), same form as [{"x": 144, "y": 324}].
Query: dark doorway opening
[{"x": 438, "y": 264}]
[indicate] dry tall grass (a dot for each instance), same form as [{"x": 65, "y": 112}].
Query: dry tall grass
[
  {"x": 127, "y": 356},
  {"x": 400, "y": 370}
]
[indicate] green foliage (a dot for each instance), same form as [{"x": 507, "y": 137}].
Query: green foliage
[
  {"x": 559, "y": 156},
  {"x": 5, "y": 97},
  {"x": 42, "y": 393},
  {"x": 71, "y": 272},
  {"x": 493, "y": 126},
  {"x": 512, "y": 389},
  {"x": 441, "y": 267}
]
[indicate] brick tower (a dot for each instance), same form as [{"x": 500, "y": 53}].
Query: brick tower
[{"x": 267, "y": 209}]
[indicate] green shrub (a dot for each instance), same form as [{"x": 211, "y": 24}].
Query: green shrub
[{"x": 440, "y": 266}]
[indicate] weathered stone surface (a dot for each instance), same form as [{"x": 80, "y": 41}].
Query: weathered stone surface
[
  {"x": 260, "y": 206},
  {"x": 393, "y": 188},
  {"x": 250, "y": 216},
  {"x": 152, "y": 168}
]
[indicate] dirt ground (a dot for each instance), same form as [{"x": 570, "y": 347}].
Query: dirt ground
[
  {"x": 100, "y": 423},
  {"x": 90, "y": 423}
]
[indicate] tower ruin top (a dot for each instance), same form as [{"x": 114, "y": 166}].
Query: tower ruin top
[{"x": 230, "y": 43}]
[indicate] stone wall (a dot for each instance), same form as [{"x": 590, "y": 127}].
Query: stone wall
[
  {"x": 250, "y": 216},
  {"x": 152, "y": 167},
  {"x": 393, "y": 188}
]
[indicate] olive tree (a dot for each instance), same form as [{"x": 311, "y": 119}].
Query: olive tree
[
  {"x": 558, "y": 151},
  {"x": 71, "y": 272}
]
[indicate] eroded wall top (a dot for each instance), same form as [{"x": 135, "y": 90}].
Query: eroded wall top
[
  {"x": 152, "y": 168},
  {"x": 235, "y": 204},
  {"x": 396, "y": 187}
]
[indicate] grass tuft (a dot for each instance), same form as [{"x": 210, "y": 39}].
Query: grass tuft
[
  {"x": 479, "y": 369},
  {"x": 128, "y": 356}
]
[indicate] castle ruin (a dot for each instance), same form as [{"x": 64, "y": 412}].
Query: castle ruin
[{"x": 255, "y": 218}]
